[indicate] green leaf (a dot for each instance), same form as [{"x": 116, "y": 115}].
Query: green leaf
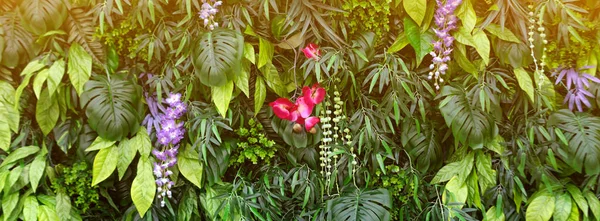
[
  {"x": 265, "y": 52},
  {"x": 217, "y": 56},
  {"x": 487, "y": 176},
  {"x": 413, "y": 34},
  {"x": 416, "y": 9},
  {"x": 545, "y": 88},
  {"x": 242, "y": 81},
  {"x": 464, "y": 37},
  {"x": 40, "y": 16},
  {"x": 578, "y": 198},
  {"x": 46, "y": 213},
  {"x": 249, "y": 52},
  {"x": 593, "y": 203},
  {"x": 142, "y": 142},
  {"x": 574, "y": 216},
  {"x": 482, "y": 45},
  {"x": 260, "y": 94},
  {"x": 525, "y": 82},
  {"x": 562, "y": 210},
  {"x": 188, "y": 205},
  {"x": 400, "y": 42},
  {"x": 55, "y": 75},
  {"x": 355, "y": 204},
  {"x": 502, "y": 33},
  {"x": 113, "y": 106},
  {"x": 467, "y": 15},
  {"x": 18, "y": 154},
  {"x": 5, "y": 135},
  {"x": 100, "y": 143},
  {"x": 36, "y": 170},
  {"x": 63, "y": 206},
  {"x": 28, "y": 71},
  {"x": 47, "y": 112},
  {"x": 541, "y": 207},
  {"x": 105, "y": 163},
  {"x": 461, "y": 169},
  {"x": 455, "y": 194},
  {"x": 273, "y": 79},
  {"x": 127, "y": 150},
  {"x": 143, "y": 187},
  {"x": 38, "y": 81},
  {"x": 9, "y": 203},
  {"x": 491, "y": 215},
  {"x": 423, "y": 145},
  {"x": 80, "y": 67},
  {"x": 189, "y": 166},
  {"x": 221, "y": 96},
  {"x": 30, "y": 208}
]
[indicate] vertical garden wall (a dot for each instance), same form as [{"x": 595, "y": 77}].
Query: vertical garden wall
[{"x": 299, "y": 110}]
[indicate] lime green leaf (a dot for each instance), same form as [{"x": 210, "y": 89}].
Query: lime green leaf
[
  {"x": 5, "y": 135},
  {"x": 416, "y": 9},
  {"x": 47, "y": 213},
  {"x": 491, "y": 215},
  {"x": 142, "y": 142},
  {"x": 482, "y": 45},
  {"x": 249, "y": 52},
  {"x": 30, "y": 208},
  {"x": 399, "y": 44},
  {"x": 487, "y": 176},
  {"x": 56, "y": 73},
  {"x": 461, "y": 169},
  {"x": 504, "y": 34},
  {"x": 105, "y": 163},
  {"x": 18, "y": 154},
  {"x": 413, "y": 34},
  {"x": 593, "y": 203},
  {"x": 80, "y": 67},
  {"x": 273, "y": 80},
  {"x": 464, "y": 37},
  {"x": 189, "y": 166},
  {"x": 36, "y": 170},
  {"x": 578, "y": 198},
  {"x": 47, "y": 112},
  {"x": 39, "y": 80},
  {"x": 127, "y": 150},
  {"x": 467, "y": 15},
  {"x": 100, "y": 143},
  {"x": 265, "y": 53},
  {"x": 574, "y": 216},
  {"x": 241, "y": 81},
  {"x": 63, "y": 206},
  {"x": 562, "y": 210},
  {"x": 221, "y": 96},
  {"x": 545, "y": 87},
  {"x": 525, "y": 82},
  {"x": 143, "y": 187},
  {"x": 541, "y": 207},
  {"x": 9, "y": 203},
  {"x": 260, "y": 94},
  {"x": 456, "y": 193}
]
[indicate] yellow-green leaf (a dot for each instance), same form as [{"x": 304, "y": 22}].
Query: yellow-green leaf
[
  {"x": 46, "y": 112},
  {"x": 142, "y": 142},
  {"x": 46, "y": 213},
  {"x": 56, "y": 73},
  {"x": 36, "y": 170},
  {"x": 80, "y": 67},
  {"x": 127, "y": 151},
  {"x": 100, "y": 143},
  {"x": 491, "y": 215},
  {"x": 30, "y": 208},
  {"x": 143, "y": 187},
  {"x": 265, "y": 53},
  {"x": 482, "y": 45},
  {"x": 456, "y": 193},
  {"x": 416, "y": 9},
  {"x": 525, "y": 82},
  {"x": 541, "y": 207},
  {"x": 105, "y": 163},
  {"x": 504, "y": 34},
  {"x": 260, "y": 94},
  {"x": 189, "y": 166},
  {"x": 467, "y": 15},
  {"x": 221, "y": 96},
  {"x": 562, "y": 210}
]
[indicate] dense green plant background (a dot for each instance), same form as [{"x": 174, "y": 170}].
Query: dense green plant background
[{"x": 495, "y": 142}]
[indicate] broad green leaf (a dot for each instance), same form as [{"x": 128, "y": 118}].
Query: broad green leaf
[
  {"x": 5, "y": 135},
  {"x": 221, "y": 96},
  {"x": 265, "y": 52},
  {"x": 30, "y": 208},
  {"x": 355, "y": 204},
  {"x": 562, "y": 210},
  {"x": 217, "y": 56},
  {"x": 574, "y": 216},
  {"x": 80, "y": 67},
  {"x": 249, "y": 52},
  {"x": 38, "y": 81},
  {"x": 400, "y": 42},
  {"x": 142, "y": 142},
  {"x": 413, "y": 34},
  {"x": 143, "y": 187},
  {"x": 260, "y": 94},
  {"x": 100, "y": 143},
  {"x": 467, "y": 15},
  {"x": 113, "y": 106},
  {"x": 461, "y": 169},
  {"x": 416, "y": 9},
  {"x": 456, "y": 193},
  {"x": 593, "y": 203},
  {"x": 242, "y": 81},
  {"x": 18, "y": 154},
  {"x": 127, "y": 150},
  {"x": 487, "y": 176},
  {"x": 28, "y": 71},
  {"x": 482, "y": 45},
  {"x": 491, "y": 215},
  {"x": 55, "y": 75},
  {"x": 47, "y": 213},
  {"x": 504, "y": 34},
  {"x": 63, "y": 206},
  {"x": 105, "y": 163},
  {"x": 464, "y": 37},
  {"x": 9, "y": 203},
  {"x": 42, "y": 16},
  {"x": 46, "y": 112},
  {"x": 189, "y": 166},
  {"x": 36, "y": 171},
  {"x": 525, "y": 82},
  {"x": 578, "y": 198},
  {"x": 541, "y": 207},
  {"x": 7, "y": 107},
  {"x": 273, "y": 79}
]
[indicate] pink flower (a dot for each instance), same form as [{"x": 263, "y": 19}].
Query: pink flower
[
  {"x": 284, "y": 109},
  {"x": 315, "y": 95},
  {"x": 312, "y": 51}
]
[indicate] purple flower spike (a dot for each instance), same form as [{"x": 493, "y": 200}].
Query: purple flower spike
[
  {"x": 577, "y": 84},
  {"x": 446, "y": 21}
]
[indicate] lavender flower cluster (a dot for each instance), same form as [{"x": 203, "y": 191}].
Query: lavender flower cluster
[
  {"x": 169, "y": 135},
  {"x": 576, "y": 85},
  {"x": 208, "y": 12},
  {"x": 446, "y": 22}
]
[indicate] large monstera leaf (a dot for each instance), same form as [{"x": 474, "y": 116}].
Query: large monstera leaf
[
  {"x": 217, "y": 56},
  {"x": 358, "y": 204},
  {"x": 112, "y": 106},
  {"x": 19, "y": 44},
  {"x": 423, "y": 145},
  {"x": 582, "y": 131},
  {"x": 469, "y": 124},
  {"x": 40, "y": 16}
]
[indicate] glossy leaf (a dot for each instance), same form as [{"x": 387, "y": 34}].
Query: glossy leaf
[
  {"x": 80, "y": 67},
  {"x": 217, "y": 56},
  {"x": 105, "y": 163},
  {"x": 143, "y": 187},
  {"x": 46, "y": 112}
]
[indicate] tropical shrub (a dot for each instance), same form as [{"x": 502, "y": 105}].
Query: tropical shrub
[{"x": 299, "y": 110}]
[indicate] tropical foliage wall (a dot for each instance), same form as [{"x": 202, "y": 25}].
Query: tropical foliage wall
[{"x": 299, "y": 110}]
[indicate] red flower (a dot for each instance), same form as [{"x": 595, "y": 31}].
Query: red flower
[
  {"x": 312, "y": 51},
  {"x": 284, "y": 109},
  {"x": 315, "y": 95}
]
